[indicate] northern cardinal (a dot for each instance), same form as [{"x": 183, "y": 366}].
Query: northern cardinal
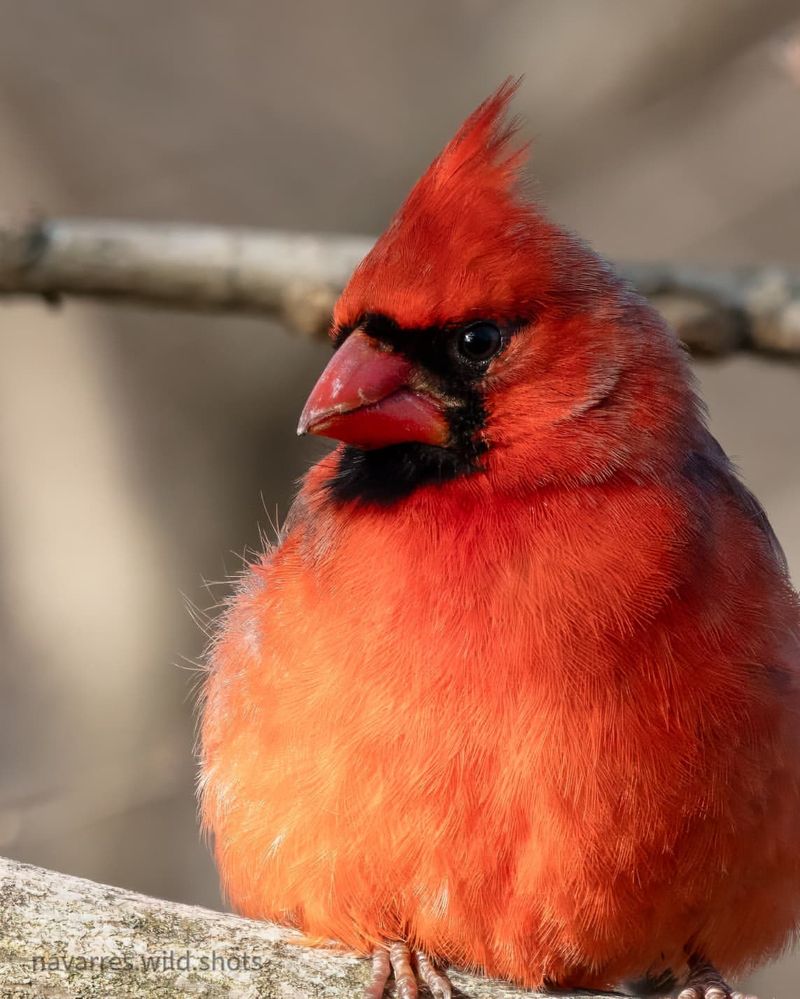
[{"x": 518, "y": 689}]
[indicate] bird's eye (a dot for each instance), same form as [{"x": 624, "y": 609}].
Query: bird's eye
[{"x": 479, "y": 342}]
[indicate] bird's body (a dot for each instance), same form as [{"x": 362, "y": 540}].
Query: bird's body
[{"x": 536, "y": 710}]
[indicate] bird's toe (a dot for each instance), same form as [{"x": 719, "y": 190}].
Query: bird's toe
[
  {"x": 381, "y": 969},
  {"x": 396, "y": 958},
  {"x": 405, "y": 977},
  {"x": 438, "y": 983},
  {"x": 705, "y": 982}
]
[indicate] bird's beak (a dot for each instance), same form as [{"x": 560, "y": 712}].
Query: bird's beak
[{"x": 363, "y": 398}]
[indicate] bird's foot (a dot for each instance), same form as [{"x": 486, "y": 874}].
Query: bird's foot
[
  {"x": 705, "y": 982},
  {"x": 397, "y": 958}
]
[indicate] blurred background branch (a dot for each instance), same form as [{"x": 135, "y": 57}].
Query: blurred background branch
[{"x": 295, "y": 278}]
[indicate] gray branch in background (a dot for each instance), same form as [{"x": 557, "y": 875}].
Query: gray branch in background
[
  {"x": 295, "y": 278},
  {"x": 64, "y": 938},
  {"x": 290, "y": 277}
]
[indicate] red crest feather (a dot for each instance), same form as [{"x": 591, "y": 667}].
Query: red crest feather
[
  {"x": 481, "y": 152},
  {"x": 465, "y": 243}
]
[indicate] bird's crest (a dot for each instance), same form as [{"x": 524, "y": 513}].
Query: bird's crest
[
  {"x": 465, "y": 241},
  {"x": 482, "y": 152}
]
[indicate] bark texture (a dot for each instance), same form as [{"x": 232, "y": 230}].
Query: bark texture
[{"x": 63, "y": 937}]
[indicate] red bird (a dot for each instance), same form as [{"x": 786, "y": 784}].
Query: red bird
[{"x": 518, "y": 689}]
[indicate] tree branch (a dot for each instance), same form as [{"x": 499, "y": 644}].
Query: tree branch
[
  {"x": 291, "y": 277},
  {"x": 64, "y": 937},
  {"x": 296, "y": 278}
]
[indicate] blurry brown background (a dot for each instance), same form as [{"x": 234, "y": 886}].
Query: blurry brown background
[{"x": 139, "y": 450}]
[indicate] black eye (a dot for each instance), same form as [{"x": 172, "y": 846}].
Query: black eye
[{"x": 479, "y": 342}]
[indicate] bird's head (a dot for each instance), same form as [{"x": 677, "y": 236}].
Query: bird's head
[{"x": 479, "y": 342}]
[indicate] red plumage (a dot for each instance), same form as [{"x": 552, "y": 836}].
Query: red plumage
[{"x": 536, "y": 713}]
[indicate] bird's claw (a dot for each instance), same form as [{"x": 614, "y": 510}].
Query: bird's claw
[
  {"x": 711, "y": 992},
  {"x": 396, "y": 957},
  {"x": 705, "y": 982},
  {"x": 438, "y": 983}
]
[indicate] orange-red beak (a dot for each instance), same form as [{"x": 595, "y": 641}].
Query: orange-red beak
[{"x": 363, "y": 398}]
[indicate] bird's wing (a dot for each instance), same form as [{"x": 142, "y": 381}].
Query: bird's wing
[{"x": 711, "y": 469}]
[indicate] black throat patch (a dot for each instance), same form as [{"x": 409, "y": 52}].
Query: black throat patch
[{"x": 385, "y": 475}]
